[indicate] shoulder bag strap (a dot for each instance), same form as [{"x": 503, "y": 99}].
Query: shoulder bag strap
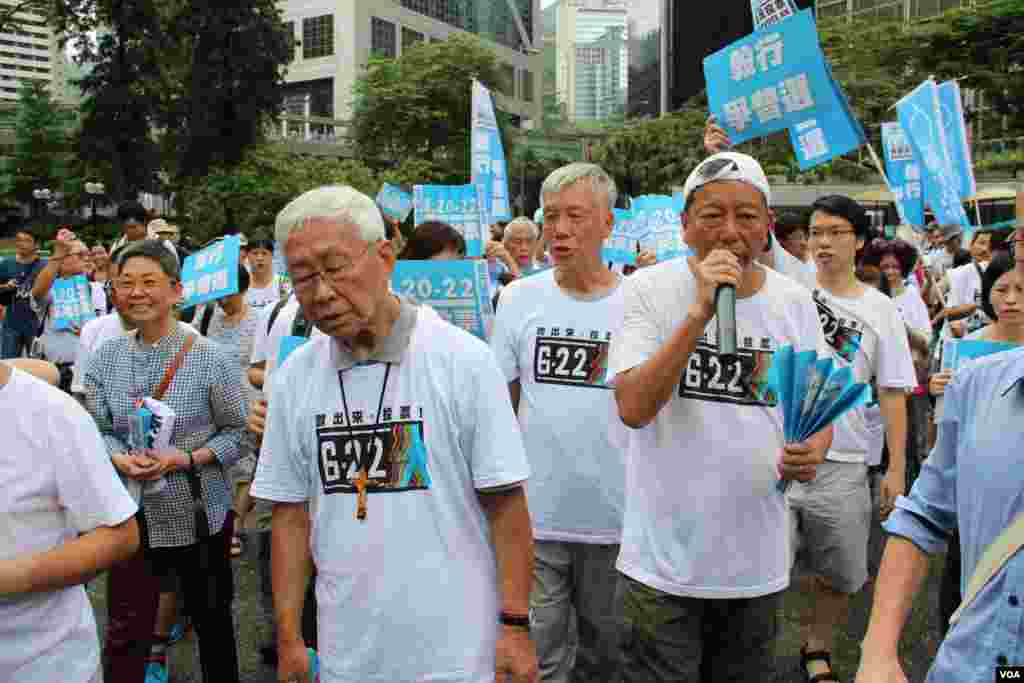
[
  {"x": 992, "y": 560},
  {"x": 165, "y": 383}
]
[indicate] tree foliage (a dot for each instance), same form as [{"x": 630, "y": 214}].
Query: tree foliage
[
  {"x": 178, "y": 86},
  {"x": 418, "y": 105},
  {"x": 42, "y": 153}
]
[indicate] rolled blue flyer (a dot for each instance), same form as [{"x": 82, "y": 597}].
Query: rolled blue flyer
[
  {"x": 139, "y": 425},
  {"x": 314, "y": 665}
]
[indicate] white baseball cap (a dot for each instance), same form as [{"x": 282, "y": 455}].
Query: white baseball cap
[{"x": 727, "y": 166}]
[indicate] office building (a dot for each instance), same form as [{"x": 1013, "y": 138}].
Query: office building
[
  {"x": 592, "y": 58},
  {"x": 335, "y": 38},
  {"x": 29, "y": 51}
]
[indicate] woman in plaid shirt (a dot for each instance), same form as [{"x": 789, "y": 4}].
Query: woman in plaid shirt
[{"x": 206, "y": 398}]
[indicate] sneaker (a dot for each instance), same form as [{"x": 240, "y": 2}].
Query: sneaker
[
  {"x": 177, "y": 632},
  {"x": 156, "y": 672}
]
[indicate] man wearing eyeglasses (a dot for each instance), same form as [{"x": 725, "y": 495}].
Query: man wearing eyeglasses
[
  {"x": 831, "y": 515},
  {"x": 396, "y": 468},
  {"x": 59, "y": 346},
  {"x": 17, "y": 276},
  {"x": 704, "y": 544}
]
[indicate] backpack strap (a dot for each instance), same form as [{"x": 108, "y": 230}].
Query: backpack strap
[
  {"x": 995, "y": 557},
  {"x": 204, "y": 324},
  {"x": 274, "y": 313},
  {"x": 301, "y": 326}
]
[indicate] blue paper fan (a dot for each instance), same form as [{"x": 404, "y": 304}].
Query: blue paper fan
[{"x": 813, "y": 393}]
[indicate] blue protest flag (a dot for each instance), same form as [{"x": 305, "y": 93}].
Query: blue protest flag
[
  {"x": 920, "y": 117},
  {"x": 955, "y": 129},
  {"x": 768, "y": 12},
  {"x": 904, "y": 174},
  {"x": 488, "y": 167},
  {"x": 72, "y": 304},
  {"x": 771, "y": 80},
  {"x": 459, "y": 291},
  {"x": 833, "y": 132},
  {"x": 394, "y": 203},
  {"x": 460, "y": 206},
  {"x": 211, "y": 273}
]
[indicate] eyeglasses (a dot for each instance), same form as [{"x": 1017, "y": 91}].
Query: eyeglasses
[
  {"x": 336, "y": 270},
  {"x": 147, "y": 285},
  {"x": 816, "y": 234}
]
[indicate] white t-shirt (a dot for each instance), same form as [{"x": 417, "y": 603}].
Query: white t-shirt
[
  {"x": 964, "y": 289},
  {"x": 938, "y": 261},
  {"x": 557, "y": 347},
  {"x": 94, "y": 334},
  {"x": 703, "y": 516},
  {"x": 266, "y": 348},
  {"x": 57, "y": 482},
  {"x": 868, "y": 334},
  {"x": 411, "y": 593},
  {"x": 260, "y": 298},
  {"x": 914, "y": 311},
  {"x": 783, "y": 262}
]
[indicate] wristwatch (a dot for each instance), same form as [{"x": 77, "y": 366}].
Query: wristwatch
[{"x": 516, "y": 620}]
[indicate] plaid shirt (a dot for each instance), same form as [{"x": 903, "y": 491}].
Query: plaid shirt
[{"x": 206, "y": 397}]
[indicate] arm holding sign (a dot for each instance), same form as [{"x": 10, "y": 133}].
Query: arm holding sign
[
  {"x": 643, "y": 390},
  {"x": 47, "y": 276},
  {"x": 715, "y": 138}
]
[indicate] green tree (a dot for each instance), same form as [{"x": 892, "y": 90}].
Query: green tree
[
  {"x": 41, "y": 156},
  {"x": 249, "y": 195},
  {"x": 983, "y": 46},
  {"x": 418, "y": 106},
  {"x": 238, "y": 51}
]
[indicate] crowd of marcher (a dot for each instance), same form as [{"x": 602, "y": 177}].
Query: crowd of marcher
[{"x": 591, "y": 494}]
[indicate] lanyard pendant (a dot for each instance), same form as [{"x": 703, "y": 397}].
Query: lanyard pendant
[{"x": 361, "y": 497}]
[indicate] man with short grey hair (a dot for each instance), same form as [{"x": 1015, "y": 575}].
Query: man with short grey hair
[
  {"x": 431, "y": 581},
  {"x": 551, "y": 338}
]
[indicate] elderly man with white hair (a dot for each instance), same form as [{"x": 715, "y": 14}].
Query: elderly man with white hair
[
  {"x": 432, "y": 580},
  {"x": 551, "y": 337}
]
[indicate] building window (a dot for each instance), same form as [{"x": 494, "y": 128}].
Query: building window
[
  {"x": 318, "y": 37},
  {"x": 410, "y": 38},
  {"x": 289, "y": 28},
  {"x": 527, "y": 85},
  {"x": 590, "y": 56},
  {"x": 451, "y": 12},
  {"x": 383, "y": 38}
]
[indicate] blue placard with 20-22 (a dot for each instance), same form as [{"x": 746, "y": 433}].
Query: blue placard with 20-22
[
  {"x": 72, "y": 303},
  {"x": 457, "y": 290},
  {"x": 211, "y": 273}
]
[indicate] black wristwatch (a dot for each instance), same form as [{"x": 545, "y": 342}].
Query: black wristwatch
[{"x": 516, "y": 620}]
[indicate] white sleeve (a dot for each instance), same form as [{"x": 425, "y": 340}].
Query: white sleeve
[
  {"x": 99, "y": 298},
  {"x": 283, "y": 473},
  {"x": 489, "y": 431},
  {"x": 895, "y": 364},
  {"x": 503, "y": 336},
  {"x": 82, "y": 356},
  {"x": 87, "y": 485},
  {"x": 259, "y": 342},
  {"x": 917, "y": 314},
  {"x": 639, "y": 337}
]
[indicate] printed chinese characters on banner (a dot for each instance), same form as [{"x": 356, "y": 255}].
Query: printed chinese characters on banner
[
  {"x": 211, "y": 273},
  {"x": 72, "y": 303},
  {"x": 488, "y": 167},
  {"x": 920, "y": 118},
  {"x": 904, "y": 174},
  {"x": 775, "y": 79},
  {"x": 768, "y": 12}
]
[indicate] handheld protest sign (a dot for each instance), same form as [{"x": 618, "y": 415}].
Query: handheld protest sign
[{"x": 211, "y": 273}]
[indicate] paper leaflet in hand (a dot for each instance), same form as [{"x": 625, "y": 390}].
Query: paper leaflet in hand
[
  {"x": 150, "y": 427},
  {"x": 813, "y": 392}
]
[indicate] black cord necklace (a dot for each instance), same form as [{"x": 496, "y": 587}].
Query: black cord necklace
[{"x": 363, "y": 458}]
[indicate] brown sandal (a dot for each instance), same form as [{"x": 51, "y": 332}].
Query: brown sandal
[{"x": 816, "y": 656}]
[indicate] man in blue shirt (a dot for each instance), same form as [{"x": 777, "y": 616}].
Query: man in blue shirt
[
  {"x": 17, "y": 276},
  {"x": 983, "y": 427}
]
